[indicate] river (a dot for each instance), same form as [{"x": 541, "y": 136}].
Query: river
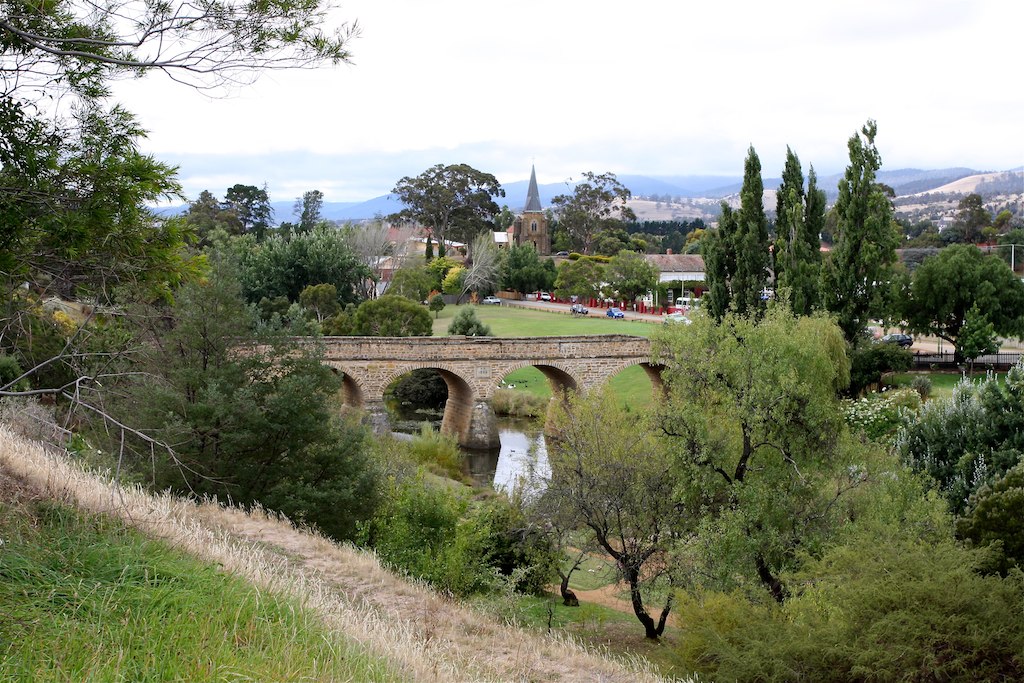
[{"x": 522, "y": 457}]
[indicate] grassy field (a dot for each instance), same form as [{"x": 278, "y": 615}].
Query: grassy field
[
  {"x": 942, "y": 382},
  {"x": 86, "y": 599},
  {"x": 632, "y": 385}
]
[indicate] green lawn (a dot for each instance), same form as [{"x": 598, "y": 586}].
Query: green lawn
[
  {"x": 632, "y": 385},
  {"x": 942, "y": 382}
]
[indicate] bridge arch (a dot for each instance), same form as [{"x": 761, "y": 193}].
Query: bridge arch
[
  {"x": 466, "y": 414},
  {"x": 559, "y": 378}
]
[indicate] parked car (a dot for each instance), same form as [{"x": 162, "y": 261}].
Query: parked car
[
  {"x": 615, "y": 313},
  {"x": 579, "y": 309},
  {"x": 545, "y": 296},
  {"x": 491, "y": 301},
  {"x": 675, "y": 318},
  {"x": 904, "y": 340}
]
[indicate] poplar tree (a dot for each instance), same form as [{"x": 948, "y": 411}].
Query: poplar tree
[
  {"x": 736, "y": 255},
  {"x": 800, "y": 218},
  {"x": 856, "y": 276}
]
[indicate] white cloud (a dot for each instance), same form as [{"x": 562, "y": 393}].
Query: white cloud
[{"x": 641, "y": 87}]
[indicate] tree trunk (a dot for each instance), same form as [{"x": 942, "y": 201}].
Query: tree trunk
[
  {"x": 651, "y": 630},
  {"x": 569, "y": 598},
  {"x": 770, "y": 581}
]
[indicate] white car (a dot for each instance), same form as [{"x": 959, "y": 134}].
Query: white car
[
  {"x": 673, "y": 318},
  {"x": 545, "y": 296},
  {"x": 491, "y": 301}
]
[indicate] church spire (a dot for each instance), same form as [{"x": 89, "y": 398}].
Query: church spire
[{"x": 532, "y": 194}]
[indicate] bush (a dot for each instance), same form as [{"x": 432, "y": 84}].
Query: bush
[
  {"x": 438, "y": 452},
  {"x": 922, "y": 385},
  {"x": 392, "y": 316},
  {"x": 869, "y": 361},
  {"x": 466, "y": 323},
  {"x": 877, "y": 609},
  {"x": 436, "y": 304},
  {"x": 880, "y": 415}
]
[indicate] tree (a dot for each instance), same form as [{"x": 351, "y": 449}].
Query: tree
[
  {"x": 451, "y": 201},
  {"x": 284, "y": 267},
  {"x": 596, "y": 204},
  {"x": 466, "y": 323},
  {"x": 413, "y": 282},
  {"x": 800, "y": 219},
  {"x": 255, "y": 426},
  {"x": 736, "y": 255},
  {"x": 971, "y": 218},
  {"x": 392, "y": 316},
  {"x": 307, "y": 209},
  {"x": 977, "y": 336},
  {"x": 630, "y": 275},
  {"x": 753, "y": 418},
  {"x": 436, "y": 305},
  {"x": 523, "y": 270},
  {"x": 582, "y": 277},
  {"x": 252, "y": 207},
  {"x": 206, "y": 215},
  {"x": 484, "y": 267},
  {"x": 610, "y": 474},
  {"x": 949, "y": 284},
  {"x": 856, "y": 275},
  {"x": 321, "y": 300},
  {"x": 373, "y": 246}
]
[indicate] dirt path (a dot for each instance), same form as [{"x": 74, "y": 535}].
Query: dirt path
[{"x": 426, "y": 637}]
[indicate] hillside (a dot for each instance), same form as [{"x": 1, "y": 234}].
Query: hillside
[{"x": 421, "y": 634}]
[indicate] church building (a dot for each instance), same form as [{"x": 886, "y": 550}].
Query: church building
[{"x": 531, "y": 226}]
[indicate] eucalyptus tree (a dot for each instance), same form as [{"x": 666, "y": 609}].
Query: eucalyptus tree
[
  {"x": 453, "y": 202},
  {"x": 596, "y": 204}
]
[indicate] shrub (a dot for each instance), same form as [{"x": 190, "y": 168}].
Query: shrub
[
  {"x": 877, "y": 609},
  {"x": 922, "y": 385},
  {"x": 392, "y": 316},
  {"x": 437, "y": 452},
  {"x": 880, "y": 415},
  {"x": 423, "y": 388},
  {"x": 465, "y": 322},
  {"x": 869, "y": 361},
  {"x": 436, "y": 304}
]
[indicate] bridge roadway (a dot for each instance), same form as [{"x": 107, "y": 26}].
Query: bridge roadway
[{"x": 473, "y": 367}]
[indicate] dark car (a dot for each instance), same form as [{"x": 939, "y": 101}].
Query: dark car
[{"x": 903, "y": 340}]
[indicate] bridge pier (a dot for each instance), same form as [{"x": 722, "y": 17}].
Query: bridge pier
[
  {"x": 376, "y": 415},
  {"x": 482, "y": 433}
]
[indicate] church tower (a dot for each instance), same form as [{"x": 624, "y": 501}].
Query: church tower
[{"x": 531, "y": 226}]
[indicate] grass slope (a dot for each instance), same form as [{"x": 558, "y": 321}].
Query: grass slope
[{"x": 85, "y": 598}]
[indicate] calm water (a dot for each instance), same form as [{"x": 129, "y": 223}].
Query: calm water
[{"x": 522, "y": 457}]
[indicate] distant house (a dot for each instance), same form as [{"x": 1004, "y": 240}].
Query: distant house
[{"x": 682, "y": 267}]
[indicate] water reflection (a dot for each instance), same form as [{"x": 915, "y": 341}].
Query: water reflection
[{"x": 522, "y": 458}]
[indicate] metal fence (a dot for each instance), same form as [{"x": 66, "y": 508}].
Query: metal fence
[{"x": 995, "y": 361}]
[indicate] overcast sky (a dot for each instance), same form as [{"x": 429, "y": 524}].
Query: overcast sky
[{"x": 644, "y": 86}]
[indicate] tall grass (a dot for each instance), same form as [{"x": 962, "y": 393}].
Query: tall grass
[
  {"x": 89, "y": 599},
  {"x": 438, "y": 452},
  {"x": 513, "y": 403},
  {"x": 422, "y": 635}
]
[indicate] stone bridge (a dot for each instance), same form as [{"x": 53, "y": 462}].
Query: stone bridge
[{"x": 473, "y": 367}]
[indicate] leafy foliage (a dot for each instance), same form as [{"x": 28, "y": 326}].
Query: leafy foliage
[
  {"x": 596, "y": 204},
  {"x": 969, "y": 440},
  {"x": 392, "y": 316},
  {"x": 799, "y": 222},
  {"x": 890, "y": 608},
  {"x": 523, "y": 270},
  {"x": 857, "y": 273},
  {"x": 994, "y": 518},
  {"x": 454, "y": 201},
  {"x": 869, "y": 361},
  {"x": 250, "y": 415},
  {"x": 757, "y": 435},
  {"x": 948, "y": 285},
  {"x": 629, "y": 274},
  {"x": 279, "y": 266},
  {"x": 465, "y": 322},
  {"x": 609, "y": 476}
]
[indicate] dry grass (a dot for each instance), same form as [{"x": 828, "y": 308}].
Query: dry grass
[{"x": 425, "y": 636}]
